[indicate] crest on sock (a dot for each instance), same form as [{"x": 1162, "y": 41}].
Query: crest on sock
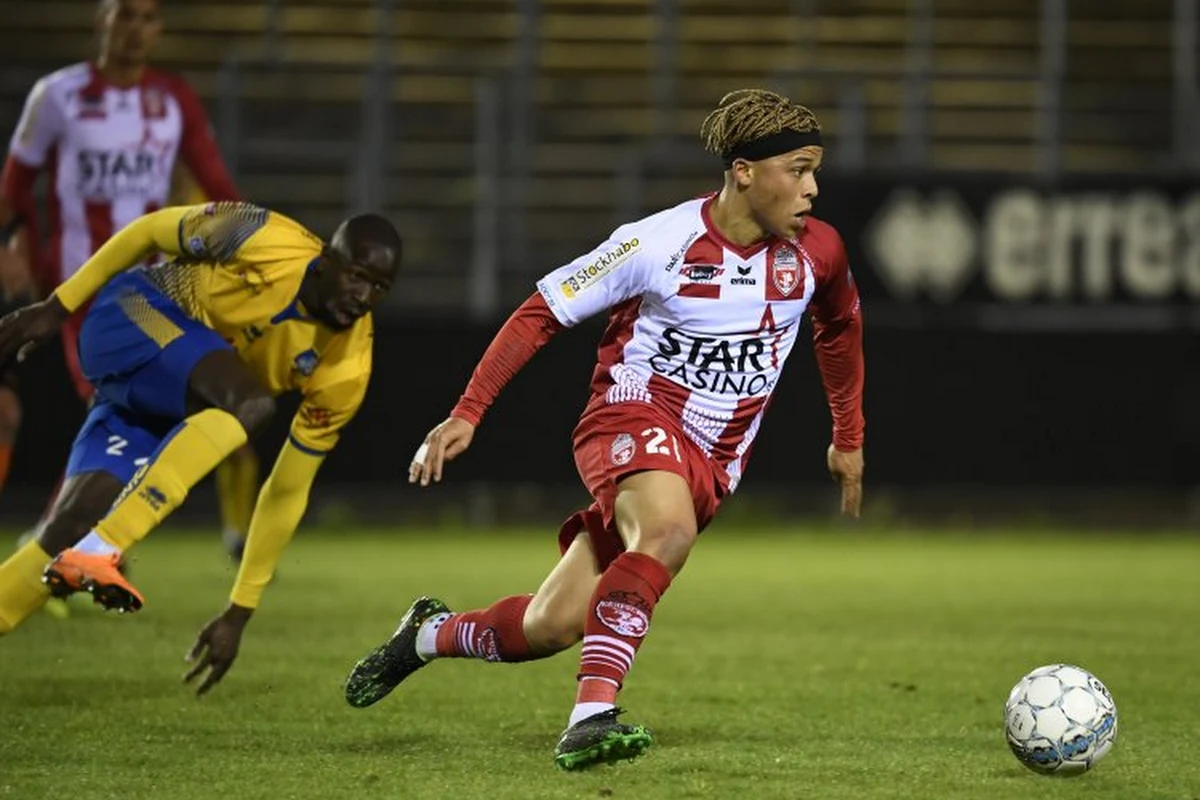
[{"x": 625, "y": 613}]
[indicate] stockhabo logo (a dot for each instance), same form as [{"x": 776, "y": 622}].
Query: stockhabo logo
[{"x": 587, "y": 276}]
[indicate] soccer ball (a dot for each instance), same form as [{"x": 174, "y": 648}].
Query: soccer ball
[{"x": 1060, "y": 720}]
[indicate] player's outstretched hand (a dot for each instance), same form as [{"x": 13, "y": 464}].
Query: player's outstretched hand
[
  {"x": 847, "y": 470},
  {"x": 216, "y": 647},
  {"x": 444, "y": 443},
  {"x": 25, "y": 328}
]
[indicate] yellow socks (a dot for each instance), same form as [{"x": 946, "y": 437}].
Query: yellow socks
[
  {"x": 21, "y": 589},
  {"x": 194, "y": 449}
]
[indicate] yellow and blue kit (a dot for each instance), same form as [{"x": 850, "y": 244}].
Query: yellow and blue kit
[{"x": 231, "y": 282}]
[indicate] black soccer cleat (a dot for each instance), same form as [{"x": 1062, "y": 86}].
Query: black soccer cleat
[
  {"x": 381, "y": 670},
  {"x": 600, "y": 739}
]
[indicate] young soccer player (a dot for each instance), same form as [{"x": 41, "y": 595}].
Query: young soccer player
[
  {"x": 186, "y": 358},
  {"x": 705, "y": 300}
]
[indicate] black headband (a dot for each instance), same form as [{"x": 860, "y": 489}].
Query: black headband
[{"x": 773, "y": 144}]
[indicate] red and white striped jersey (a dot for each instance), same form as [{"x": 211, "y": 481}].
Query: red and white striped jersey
[
  {"x": 110, "y": 152},
  {"x": 700, "y": 327}
]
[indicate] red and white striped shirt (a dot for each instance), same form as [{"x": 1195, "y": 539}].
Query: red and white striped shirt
[
  {"x": 110, "y": 152},
  {"x": 698, "y": 327}
]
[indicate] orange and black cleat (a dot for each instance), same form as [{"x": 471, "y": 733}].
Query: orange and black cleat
[{"x": 72, "y": 571}]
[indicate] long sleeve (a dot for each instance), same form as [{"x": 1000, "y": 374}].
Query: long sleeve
[
  {"x": 281, "y": 505},
  {"x": 837, "y": 340},
  {"x": 526, "y": 331},
  {"x": 155, "y": 232},
  {"x": 38, "y": 132},
  {"x": 16, "y": 190}
]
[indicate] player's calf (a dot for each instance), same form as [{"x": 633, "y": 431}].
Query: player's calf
[{"x": 80, "y": 504}]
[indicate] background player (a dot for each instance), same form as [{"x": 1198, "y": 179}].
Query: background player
[
  {"x": 111, "y": 134},
  {"x": 255, "y": 305},
  {"x": 705, "y": 302}
]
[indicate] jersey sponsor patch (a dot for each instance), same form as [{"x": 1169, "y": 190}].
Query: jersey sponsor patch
[
  {"x": 587, "y": 275},
  {"x": 316, "y": 417}
]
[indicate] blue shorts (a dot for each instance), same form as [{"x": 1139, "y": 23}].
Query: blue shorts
[
  {"x": 115, "y": 441},
  {"x": 138, "y": 348}
]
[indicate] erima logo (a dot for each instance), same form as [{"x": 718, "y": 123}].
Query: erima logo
[
  {"x": 741, "y": 279},
  {"x": 306, "y": 362},
  {"x": 154, "y": 497}
]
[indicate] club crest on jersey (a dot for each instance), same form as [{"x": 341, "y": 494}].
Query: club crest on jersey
[
  {"x": 623, "y": 448},
  {"x": 785, "y": 270},
  {"x": 306, "y": 362},
  {"x": 153, "y": 104}
]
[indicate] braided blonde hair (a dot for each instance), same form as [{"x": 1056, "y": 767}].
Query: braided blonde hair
[{"x": 748, "y": 114}]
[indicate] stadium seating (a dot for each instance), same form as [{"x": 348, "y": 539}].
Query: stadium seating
[{"x": 592, "y": 83}]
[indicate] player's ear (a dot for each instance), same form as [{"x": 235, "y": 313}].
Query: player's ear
[{"x": 742, "y": 171}]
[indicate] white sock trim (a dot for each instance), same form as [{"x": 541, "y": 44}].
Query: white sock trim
[
  {"x": 92, "y": 544},
  {"x": 584, "y": 710},
  {"x": 427, "y": 635}
]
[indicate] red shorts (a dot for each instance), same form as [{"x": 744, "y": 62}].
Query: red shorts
[
  {"x": 70, "y": 341},
  {"x": 615, "y": 441}
]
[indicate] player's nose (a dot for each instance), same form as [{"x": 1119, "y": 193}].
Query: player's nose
[{"x": 809, "y": 186}]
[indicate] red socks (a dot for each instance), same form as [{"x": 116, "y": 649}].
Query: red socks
[
  {"x": 617, "y": 621},
  {"x": 495, "y": 633}
]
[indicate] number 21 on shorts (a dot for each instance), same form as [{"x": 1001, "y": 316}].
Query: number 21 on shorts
[
  {"x": 654, "y": 440},
  {"x": 656, "y": 443}
]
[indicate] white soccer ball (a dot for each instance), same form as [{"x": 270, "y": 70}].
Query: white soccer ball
[{"x": 1060, "y": 719}]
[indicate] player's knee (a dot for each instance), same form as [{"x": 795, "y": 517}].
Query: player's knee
[
  {"x": 550, "y": 630},
  {"x": 669, "y": 542},
  {"x": 254, "y": 413}
]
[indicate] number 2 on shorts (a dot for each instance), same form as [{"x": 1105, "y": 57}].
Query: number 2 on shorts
[{"x": 655, "y": 445}]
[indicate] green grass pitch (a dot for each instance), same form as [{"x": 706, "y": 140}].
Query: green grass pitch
[{"x": 809, "y": 664}]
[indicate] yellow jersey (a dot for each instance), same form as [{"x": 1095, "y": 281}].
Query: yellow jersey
[{"x": 237, "y": 268}]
